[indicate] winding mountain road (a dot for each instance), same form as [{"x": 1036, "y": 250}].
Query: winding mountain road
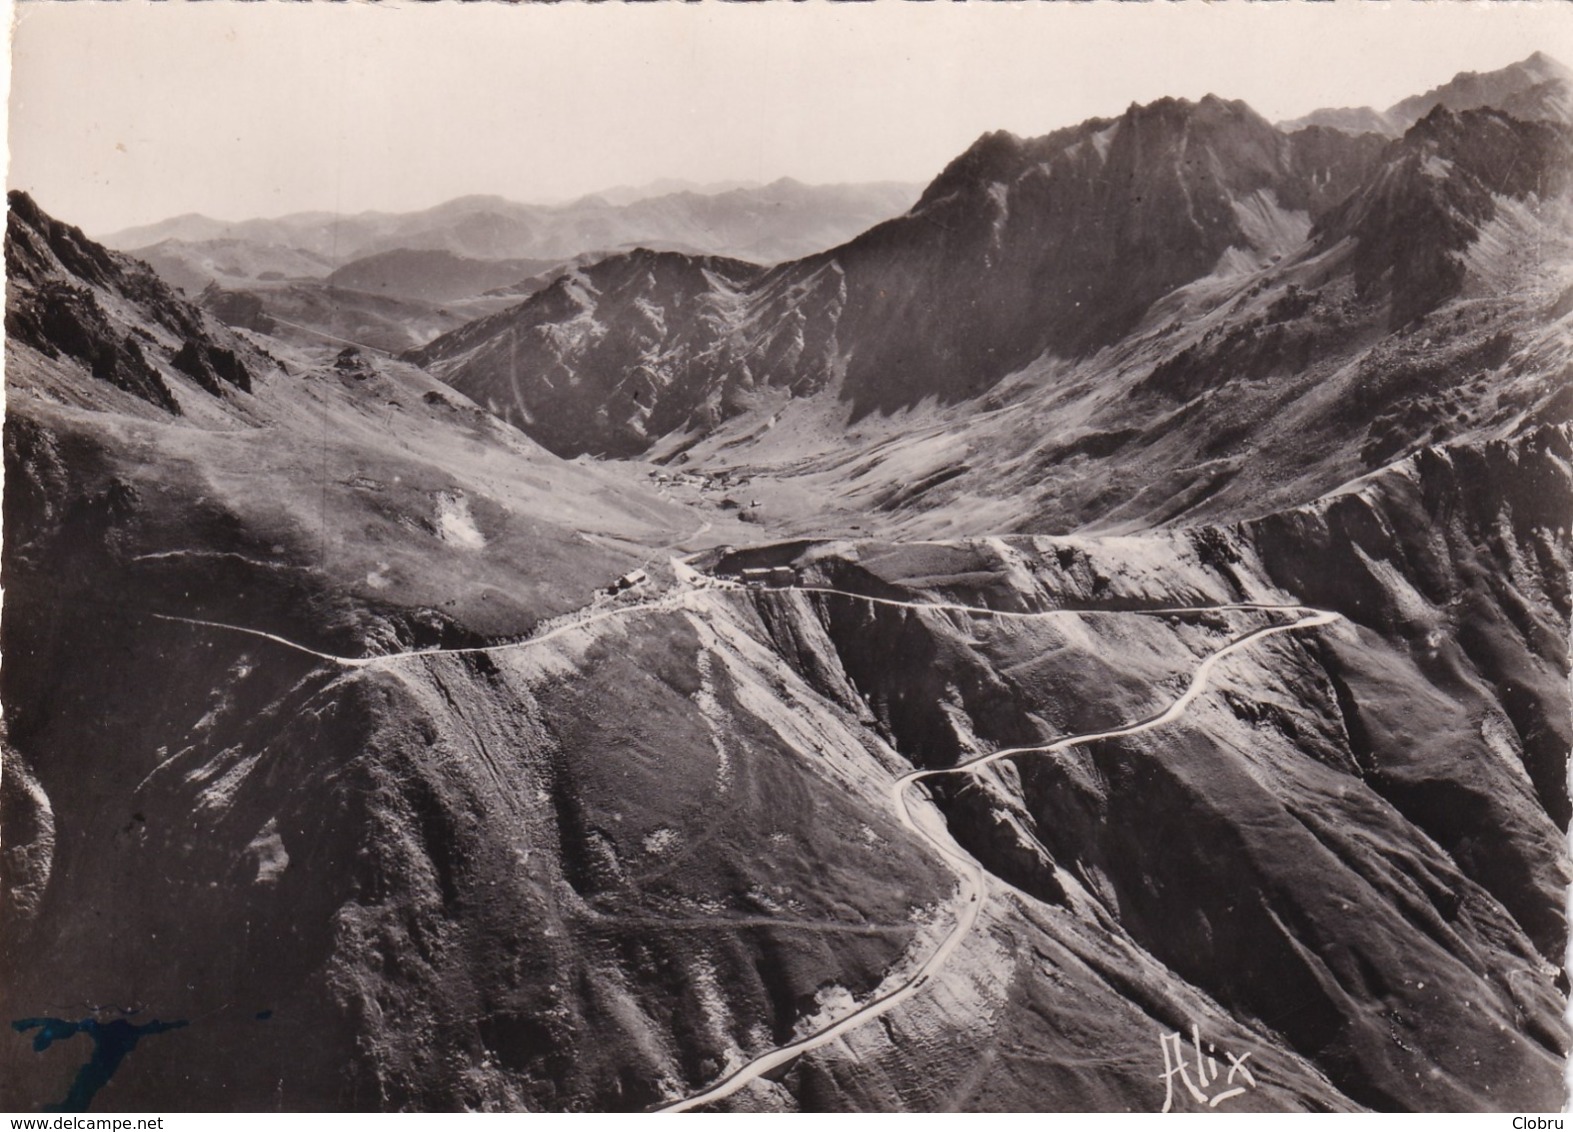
[
  {"x": 973, "y": 876},
  {"x": 670, "y": 601},
  {"x": 564, "y": 625}
]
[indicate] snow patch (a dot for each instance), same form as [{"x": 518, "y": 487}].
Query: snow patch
[
  {"x": 1502, "y": 741},
  {"x": 713, "y": 1010},
  {"x": 661, "y": 842},
  {"x": 455, "y": 524},
  {"x": 759, "y": 896},
  {"x": 1102, "y": 139},
  {"x": 830, "y": 1003},
  {"x": 652, "y": 313},
  {"x": 627, "y": 1017},
  {"x": 267, "y": 849},
  {"x": 219, "y": 794},
  {"x": 999, "y": 196},
  {"x": 715, "y": 721}
]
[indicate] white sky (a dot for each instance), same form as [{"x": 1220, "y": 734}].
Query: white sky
[{"x": 132, "y": 112}]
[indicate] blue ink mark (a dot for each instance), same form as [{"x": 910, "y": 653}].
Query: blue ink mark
[
  {"x": 264, "y": 1015},
  {"x": 111, "y": 1042}
]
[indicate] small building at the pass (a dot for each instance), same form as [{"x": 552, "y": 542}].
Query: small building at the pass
[
  {"x": 769, "y": 576},
  {"x": 628, "y": 581}
]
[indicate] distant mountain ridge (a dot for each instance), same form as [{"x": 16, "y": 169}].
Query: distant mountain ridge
[
  {"x": 397, "y": 281},
  {"x": 1538, "y": 87},
  {"x": 664, "y": 186},
  {"x": 193, "y": 265},
  {"x": 432, "y": 275},
  {"x": 1021, "y": 249},
  {"x": 1017, "y": 247},
  {"x": 781, "y": 220}
]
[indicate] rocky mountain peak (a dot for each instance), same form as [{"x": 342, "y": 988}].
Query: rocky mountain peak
[
  {"x": 1512, "y": 88},
  {"x": 1433, "y": 194},
  {"x": 995, "y": 157},
  {"x": 70, "y": 299},
  {"x": 1536, "y": 88},
  {"x": 1019, "y": 247},
  {"x": 38, "y": 246}
]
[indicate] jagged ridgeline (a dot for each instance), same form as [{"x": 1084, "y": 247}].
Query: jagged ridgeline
[{"x": 1119, "y": 603}]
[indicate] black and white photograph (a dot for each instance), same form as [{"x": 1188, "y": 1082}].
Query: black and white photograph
[{"x": 741, "y": 557}]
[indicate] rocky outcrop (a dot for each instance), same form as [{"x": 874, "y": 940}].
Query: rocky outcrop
[
  {"x": 1435, "y": 191},
  {"x": 69, "y": 298},
  {"x": 61, "y": 320}
]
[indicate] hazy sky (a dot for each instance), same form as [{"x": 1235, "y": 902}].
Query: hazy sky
[{"x": 132, "y": 112}]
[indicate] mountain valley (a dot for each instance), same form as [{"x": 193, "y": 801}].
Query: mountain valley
[{"x": 943, "y": 660}]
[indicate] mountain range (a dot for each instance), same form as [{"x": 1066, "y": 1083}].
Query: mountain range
[
  {"x": 394, "y": 281},
  {"x": 1536, "y": 88},
  {"x": 1118, "y": 605},
  {"x": 1156, "y": 292},
  {"x": 768, "y": 222}
]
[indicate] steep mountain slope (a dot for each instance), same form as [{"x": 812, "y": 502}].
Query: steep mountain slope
[
  {"x": 1536, "y": 88},
  {"x": 1227, "y": 845},
  {"x": 348, "y": 503},
  {"x": 1017, "y": 248},
  {"x": 1080, "y": 234},
  {"x": 71, "y": 301},
  {"x": 339, "y": 775},
  {"x": 212, "y": 414},
  {"x": 1436, "y": 190},
  {"x": 1236, "y": 396},
  {"x": 1411, "y": 300}
]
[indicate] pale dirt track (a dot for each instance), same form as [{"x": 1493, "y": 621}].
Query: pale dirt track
[{"x": 973, "y": 877}]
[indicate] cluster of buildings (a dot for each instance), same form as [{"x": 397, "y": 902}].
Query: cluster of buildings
[{"x": 769, "y": 576}]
